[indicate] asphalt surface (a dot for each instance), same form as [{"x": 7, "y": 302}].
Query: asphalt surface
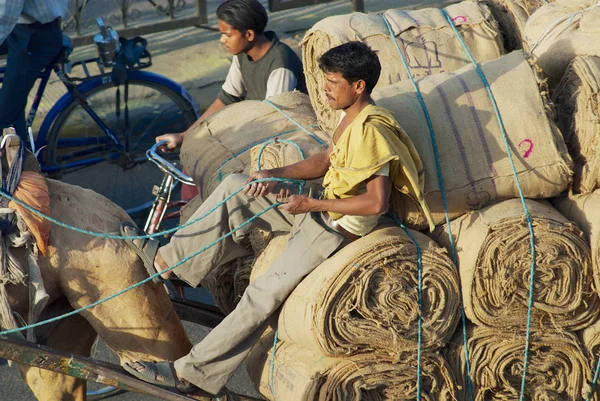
[{"x": 194, "y": 58}]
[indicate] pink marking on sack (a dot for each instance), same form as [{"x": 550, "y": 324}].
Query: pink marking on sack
[
  {"x": 462, "y": 18},
  {"x": 529, "y": 149}
]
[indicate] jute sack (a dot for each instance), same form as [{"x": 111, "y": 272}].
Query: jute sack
[
  {"x": 583, "y": 210},
  {"x": 494, "y": 256},
  {"x": 364, "y": 297},
  {"x": 474, "y": 163},
  {"x": 302, "y": 374},
  {"x": 512, "y": 16},
  {"x": 557, "y": 369},
  {"x": 560, "y": 31},
  {"x": 590, "y": 338},
  {"x": 425, "y": 36},
  {"x": 577, "y": 99},
  {"x": 221, "y": 145}
]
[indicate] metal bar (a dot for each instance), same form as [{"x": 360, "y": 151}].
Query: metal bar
[
  {"x": 197, "y": 313},
  {"x": 77, "y": 366},
  {"x": 87, "y": 369},
  {"x": 147, "y": 29}
]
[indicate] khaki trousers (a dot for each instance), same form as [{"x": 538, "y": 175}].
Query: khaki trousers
[{"x": 211, "y": 363}]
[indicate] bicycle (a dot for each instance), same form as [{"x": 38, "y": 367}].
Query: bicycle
[{"x": 97, "y": 133}]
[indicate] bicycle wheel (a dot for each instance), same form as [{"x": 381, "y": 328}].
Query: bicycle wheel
[{"x": 81, "y": 153}]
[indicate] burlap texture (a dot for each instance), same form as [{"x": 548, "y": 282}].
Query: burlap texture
[
  {"x": 494, "y": 257},
  {"x": 557, "y": 369},
  {"x": 140, "y": 324},
  {"x": 563, "y": 30},
  {"x": 364, "y": 297},
  {"x": 221, "y": 145},
  {"x": 512, "y": 16},
  {"x": 303, "y": 374},
  {"x": 428, "y": 41},
  {"x": 472, "y": 154},
  {"x": 577, "y": 97},
  {"x": 583, "y": 210}
]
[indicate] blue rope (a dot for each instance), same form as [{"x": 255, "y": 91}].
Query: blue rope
[
  {"x": 443, "y": 193},
  {"x": 131, "y": 287},
  {"x": 272, "y": 367},
  {"x": 316, "y": 138},
  {"x": 594, "y": 381},
  {"x": 419, "y": 300},
  {"x": 525, "y": 208},
  {"x": 145, "y": 236}
]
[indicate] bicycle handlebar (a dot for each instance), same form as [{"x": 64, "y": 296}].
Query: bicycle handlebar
[{"x": 167, "y": 167}]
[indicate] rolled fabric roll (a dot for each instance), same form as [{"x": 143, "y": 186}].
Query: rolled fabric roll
[
  {"x": 364, "y": 297},
  {"x": 428, "y": 42},
  {"x": 494, "y": 257},
  {"x": 577, "y": 97},
  {"x": 512, "y": 16},
  {"x": 557, "y": 368},
  {"x": 221, "y": 145},
  {"x": 471, "y": 151},
  {"x": 298, "y": 373},
  {"x": 562, "y": 30}
]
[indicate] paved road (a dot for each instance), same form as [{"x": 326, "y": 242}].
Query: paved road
[{"x": 194, "y": 58}]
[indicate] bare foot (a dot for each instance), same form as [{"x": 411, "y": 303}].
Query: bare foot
[{"x": 160, "y": 265}]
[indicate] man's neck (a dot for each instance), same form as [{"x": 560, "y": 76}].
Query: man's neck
[
  {"x": 358, "y": 106},
  {"x": 260, "y": 47}
]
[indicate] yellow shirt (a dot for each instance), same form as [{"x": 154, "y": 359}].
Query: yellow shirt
[{"x": 373, "y": 139}]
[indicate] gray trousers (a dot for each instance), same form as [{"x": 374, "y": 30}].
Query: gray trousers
[{"x": 211, "y": 363}]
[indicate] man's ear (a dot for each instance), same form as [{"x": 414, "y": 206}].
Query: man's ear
[
  {"x": 250, "y": 35},
  {"x": 361, "y": 86}
]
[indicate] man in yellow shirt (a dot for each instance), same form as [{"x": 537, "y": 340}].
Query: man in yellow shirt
[{"x": 369, "y": 154}]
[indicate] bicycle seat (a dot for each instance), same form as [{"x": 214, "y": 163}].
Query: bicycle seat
[{"x": 67, "y": 49}]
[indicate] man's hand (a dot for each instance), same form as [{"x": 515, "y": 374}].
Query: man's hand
[
  {"x": 295, "y": 204},
  {"x": 260, "y": 188},
  {"x": 174, "y": 141}
]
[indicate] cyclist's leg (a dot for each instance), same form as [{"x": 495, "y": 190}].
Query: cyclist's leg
[
  {"x": 233, "y": 213},
  {"x": 30, "y": 50}
]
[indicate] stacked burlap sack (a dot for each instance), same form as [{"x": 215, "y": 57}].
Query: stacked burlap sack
[
  {"x": 472, "y": 153},
  {"x": 298, "y": 373},
  {"x": 221, "y": 145},
  {"x": 512, "y": 15},
  {"x": 425, "y": 36},
  {"x": 360, "y": 309},
  {"x": 562, "y": 30},
  {"x": 557, "y": 368},
  {"x": 494, "y": 257},
  {"x": 577, "y": 98}
]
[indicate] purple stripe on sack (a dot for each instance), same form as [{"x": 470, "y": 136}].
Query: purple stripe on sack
[
  {"x": 480, "y": 130},
  {"x": 455, "y": 130},
  {"x": 420, "y": 41}
]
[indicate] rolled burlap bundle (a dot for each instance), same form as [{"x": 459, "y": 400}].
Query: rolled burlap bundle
[
  {"x": 557, "y": 368},
  {"x": 364, "y": 297},
  {"x": 562, "y": 30},
  {"x": 472, "y": 154},
  {"x": 221, "y": 145},
  {"x": 298, "y": 373},
  {"x": 512, "y": 16},
  {"x": 583, "y": 210},
  {"x": 494, "y": 257},
  {"x": 428, "y": 42},
  {"x": 577, "y": 97}
]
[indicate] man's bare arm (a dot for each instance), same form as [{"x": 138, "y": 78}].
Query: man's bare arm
[{"x": 373, "y": 202}]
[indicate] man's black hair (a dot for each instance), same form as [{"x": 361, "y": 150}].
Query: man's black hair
[
  {"x": 354, "y": 60},
  {"x": 243, "y": 15}
]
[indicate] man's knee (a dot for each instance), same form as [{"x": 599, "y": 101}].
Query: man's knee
[{"x": 233, "y": 182}]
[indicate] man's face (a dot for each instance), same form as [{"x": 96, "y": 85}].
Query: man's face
[
  {"x": 234, "y": 41},
  {"x": 340, "y": 93}
]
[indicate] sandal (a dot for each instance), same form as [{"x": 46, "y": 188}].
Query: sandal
[
  {"x": 145, "y": 248},
  {"x": 169, "y": 380}
]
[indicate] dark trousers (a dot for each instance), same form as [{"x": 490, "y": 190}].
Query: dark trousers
[{"x": 30, "y": 48}]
